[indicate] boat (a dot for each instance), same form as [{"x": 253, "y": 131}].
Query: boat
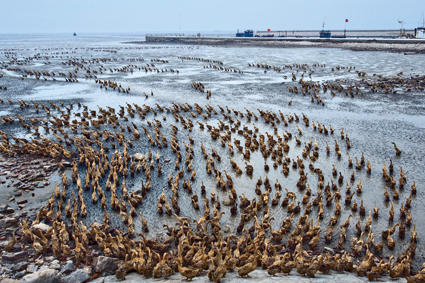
[
  {"x": 325, "y": 33},
  {"x": 247, "y": 33}
]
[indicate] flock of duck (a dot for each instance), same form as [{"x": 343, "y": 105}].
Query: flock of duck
[
  {"x": 222, "y": 68},
  {"x": 200, "y": 86},
  {"x": 301, "y": 75},
  {"x": 266, "y": 199},
  {"x": 199, "y": 59},
  {"x": 100, "y": 144}
]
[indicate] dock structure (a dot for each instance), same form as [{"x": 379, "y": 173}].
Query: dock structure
[
  {"x": 394, "y": 33},
  {"x": 259, "y": 40},
  {"x": 366, "y": 44}
]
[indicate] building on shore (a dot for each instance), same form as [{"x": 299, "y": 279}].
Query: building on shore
[{"x": 420, "y": 32}]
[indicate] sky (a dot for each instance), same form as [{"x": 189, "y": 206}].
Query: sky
[{"x": 171, "y": 16}]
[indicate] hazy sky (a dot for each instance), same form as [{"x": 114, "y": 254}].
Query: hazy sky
[{"x": 138, "y": 16}]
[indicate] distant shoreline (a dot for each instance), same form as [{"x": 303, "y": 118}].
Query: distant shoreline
[{"x": 407, "y": 46}]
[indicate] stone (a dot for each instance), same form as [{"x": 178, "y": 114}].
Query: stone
[
  {"x": 43, "y": 227},
  {"x": 20, "y": 274},
  {"x": 9, "y": 280},
  {"x": 31, "y": 268},
  {"x": 39, "y": 261},
  {"x": 8, "y": 222},
  {"x": 14, "y": 257},
  {"x": 138, "y": 156},
  {"x": 22, "y": 201},
  {"x": 78, "y": 276},
  {"x": 55, "y": 264},
  {"x": 330, "y": 250},
  {"x": 20, "y": 266},
  {"x": 66, "y": 163},
  {"x": 68, "y": 267},
  {"x": 106, "y": 265},
  {"x": 49, "y": 258},
  {"x": 42, "y": 276},
  {"x": 6, "y": 209}
]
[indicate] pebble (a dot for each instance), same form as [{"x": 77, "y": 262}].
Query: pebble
[
  {"x": 14, "y": 257},
  {"x": 31, "y": 268},
  {"x": 20, "y": 274},
  {"x": 78, "y": 276},
  {"x": 8, "y": 222},
  {"x": 68, "y": 267},
  {"x": 138, "y": 156},
  {"x": 330, "y": 250},
  {"x": 106, "y": 265},
  {"x": 22, "y": 201},
  {"x": 42, "y": 276},
  {"x": 43, "y": 227},
  {"x": 20, "y": 266},
  {"x": 55, "y": 264},
  {"x": 6, "y": 209}
]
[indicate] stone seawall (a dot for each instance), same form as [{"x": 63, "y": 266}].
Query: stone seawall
[{"x": 372, "y": 44}]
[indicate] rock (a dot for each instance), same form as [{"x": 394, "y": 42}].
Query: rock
[
  {"x": 14, "y": 257},
  {"x": 8, "y": 222},
  {"x": 55, "y": 264},
  {"x": 6, "y": 209},
  {"x": 42, "y": 276},
  {"x": 9, "y": 280},
  {"x": 49, "y": 258},
  {"x": 31, "y": 268},
  {"x": 66, "y": 163},
  {"x": 77, "y": 276},
  {"x": 43, "y": 227},
  {"x": 330, "y": 250},
  {"x": 22, "y": 201},
  {"x": 138, "y": 156},
  {"x": 39, "y": 261},
  {"x": 3, "y": 244},
  {"x": 20, "y": 266},
  {"x": 20, "y": 274},
  {"x": 68, "y": 267},
  {"x": 106, "y": 265}
]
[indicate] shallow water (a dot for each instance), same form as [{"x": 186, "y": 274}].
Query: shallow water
[{"x": 371, "y": 120}]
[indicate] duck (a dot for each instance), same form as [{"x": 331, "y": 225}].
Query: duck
[
  {"x": 11, "y": 243},
  {"x": 358, "y": 227},
  {"x": 397, "y": 150},
  {"x": 391, "y": 213},
  {"x": 375, "y": 211},
  {"x": 390, "y": 242},
  {"x": 162, "y": 269},
  {"x": 217, "y": 271},
  {"x": 362, "y": 210},
  {"x": 186, "y": 272},
  {"x": 247, "y": 268}
]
